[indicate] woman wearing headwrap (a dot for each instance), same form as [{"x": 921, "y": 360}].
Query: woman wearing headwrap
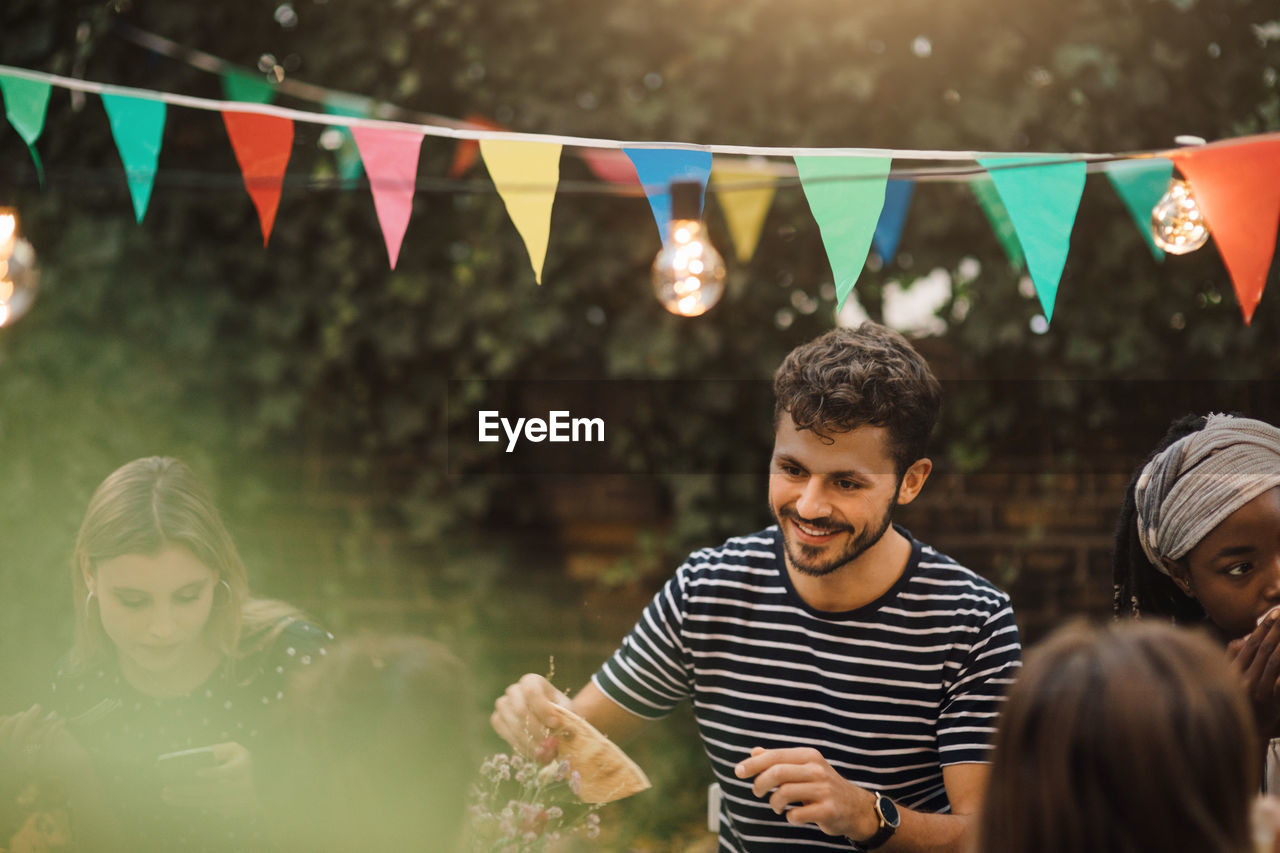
[{"x": 1199, "y": 543}]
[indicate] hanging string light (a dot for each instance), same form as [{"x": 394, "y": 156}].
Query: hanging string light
[
  {"x": 688, "y": 274},
  {"x": 1177, "y": 226},
  {"x": 19, "y": 276}
]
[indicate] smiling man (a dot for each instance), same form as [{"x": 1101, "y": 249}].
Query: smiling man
[{"x": 846, "y": 678}]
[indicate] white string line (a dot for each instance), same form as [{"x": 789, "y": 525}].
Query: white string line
[{"x": 309, "y": 117}]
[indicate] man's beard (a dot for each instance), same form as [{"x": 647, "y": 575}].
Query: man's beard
[{"x": 806, "y": 559}]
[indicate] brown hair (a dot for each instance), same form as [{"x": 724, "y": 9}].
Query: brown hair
[
  {"x": 1128, "y": 739},
  {"x": 144, "y": 507},
  {"x": 380, "y": 748},
  {"x": 868, "y": 376}
]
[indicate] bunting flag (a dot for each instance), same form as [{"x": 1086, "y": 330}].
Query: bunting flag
[
  {"x": 246, "y": 88},
  {"x": 744, "y": 207},
  {"x": 137, "y": 125},
  {"x": 347, "y": 155},
  {"x": 526, "y": 174},
  {"x": 897, "y": 200},
  {"x": 1042, "y": 201},
  {"x": 1140, "y": 184},
  {"x": 846, "y": 195},
  {"x": 26, "y": 102},
  {"x": 391, "y": 159},
  {"x": 984, "y": 190},
  {"x": 658, "y": 167},
  {"x": 262, "y": 145},
  {"x": 1237, "y": 186},
  {"x": 610, "y": 165},
  {"x": 467, "y": 150}
]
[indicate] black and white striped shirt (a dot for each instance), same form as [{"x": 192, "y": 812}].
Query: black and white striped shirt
[{"x": 889, "y": 693}]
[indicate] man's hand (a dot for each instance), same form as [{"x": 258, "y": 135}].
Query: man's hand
[
  {"x": 525, "y": 715},
  {"x": 802, "y": 785},
  {"x": 1257, "y": 656}
]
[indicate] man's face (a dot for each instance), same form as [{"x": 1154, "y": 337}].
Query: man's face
[{"x": 832, "y": 498}]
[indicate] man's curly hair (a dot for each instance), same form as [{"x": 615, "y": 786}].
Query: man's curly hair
[{"x": 867, "y": 376}]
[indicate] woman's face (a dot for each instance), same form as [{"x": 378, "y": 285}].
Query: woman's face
[
  {"x": 155, "y": 609},
  {"x": 1235, "y": 570}
]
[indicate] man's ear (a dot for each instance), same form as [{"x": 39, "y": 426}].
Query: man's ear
[
  {"x": 913, "y": 480},
  {"x": 1179, "y": 575}
]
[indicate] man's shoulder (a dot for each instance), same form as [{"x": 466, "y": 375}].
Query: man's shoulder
[{"x": 940, "y": 574}]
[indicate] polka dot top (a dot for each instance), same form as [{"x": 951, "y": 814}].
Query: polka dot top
[{"x": 124, "y": 731}]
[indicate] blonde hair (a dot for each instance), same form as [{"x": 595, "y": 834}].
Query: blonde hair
[{"x": 149, "y": 505}]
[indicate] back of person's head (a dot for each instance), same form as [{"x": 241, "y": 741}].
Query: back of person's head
[
  {"x": 380, "y": 753},
  {"x": 144, "y": 507},
  {"x": 866, "y": 376},
  {"x": 1135, "y": 738}
]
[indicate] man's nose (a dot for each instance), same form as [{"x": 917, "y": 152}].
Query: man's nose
[{"x": 812, "y": 502}]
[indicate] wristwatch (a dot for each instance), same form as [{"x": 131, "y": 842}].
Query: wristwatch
[{"x": 887, "y": 812}]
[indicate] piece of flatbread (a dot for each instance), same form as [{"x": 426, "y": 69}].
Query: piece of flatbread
[{"x": 607, "y": 772}]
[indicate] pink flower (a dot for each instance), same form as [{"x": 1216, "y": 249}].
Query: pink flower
[{"x": 547, "y": 749}]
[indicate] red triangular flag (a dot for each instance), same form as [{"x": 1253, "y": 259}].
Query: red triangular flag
[
  {"x": 262, "y": 144},
  {"x": 468, "y": 150},
  {"x": 1237, "y": 186}
]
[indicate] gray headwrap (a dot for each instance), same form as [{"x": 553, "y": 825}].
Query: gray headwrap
[{"x": 1191, "y": 486}]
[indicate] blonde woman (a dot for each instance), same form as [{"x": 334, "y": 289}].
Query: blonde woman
[{"x": 171, "y": 655}]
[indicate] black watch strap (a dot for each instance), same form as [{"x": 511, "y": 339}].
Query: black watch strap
[{"x": 883, "y": 834}]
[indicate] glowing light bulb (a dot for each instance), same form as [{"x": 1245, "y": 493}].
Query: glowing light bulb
[
  {"x": 19, "y": 276},
  {"x": 688, "y": 274},
  {"x": 1177, "y": 226}
]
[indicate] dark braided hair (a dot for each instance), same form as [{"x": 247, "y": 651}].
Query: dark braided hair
[{"x": 1140, "y": 588}]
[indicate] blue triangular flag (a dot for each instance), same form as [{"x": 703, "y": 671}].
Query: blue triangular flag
[
  {"x": 897, "y": 199},
  {"x": 137, "y": 125},
  {"x": 658, "y": 167}
]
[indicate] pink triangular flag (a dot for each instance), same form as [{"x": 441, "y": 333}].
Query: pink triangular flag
[
  {"x": 391, "y": 159},
  {"x": 262, "y": 144}
]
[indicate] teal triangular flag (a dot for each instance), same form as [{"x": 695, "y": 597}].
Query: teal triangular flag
[
  {"x": 25, "y": 104},
  {"x": 984, "y": 190},
  {"x": 350, "y": 166},
  {"x": 137, "y": 125},
  {"x": 1140, "y": 184},
  {"x": 1042, "y": 201},
  {"x": 658, "y": 167},
  {"x": 247, "y": 88},
  {"x": 846, "y": 195}
]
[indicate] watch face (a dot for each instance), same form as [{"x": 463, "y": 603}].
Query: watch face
[{"x": 888, "y": 811}]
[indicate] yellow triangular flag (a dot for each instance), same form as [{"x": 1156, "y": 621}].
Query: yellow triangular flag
[
  {"x": 526, "y": 175},
  {"x": 745, "y": 195}
]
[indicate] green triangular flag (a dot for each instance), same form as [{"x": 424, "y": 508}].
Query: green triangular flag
[
  {"x": 1042, "y": 201},
  {"x": 1140, "y": 184},
  {"x": 25, "y": 104},
  {"x": 846, "y": 195},
  {"x": 984, "y": 189},
  {"x": 137, "y": 125},
  {"x": 350, "y": 166},
  {"x": 248, "y": 88}
]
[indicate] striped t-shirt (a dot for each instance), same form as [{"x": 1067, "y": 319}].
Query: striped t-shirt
[{"x": 889, "y": 693}]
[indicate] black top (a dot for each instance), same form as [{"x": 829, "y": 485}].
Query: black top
[{"x": 123, "y": 730}]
